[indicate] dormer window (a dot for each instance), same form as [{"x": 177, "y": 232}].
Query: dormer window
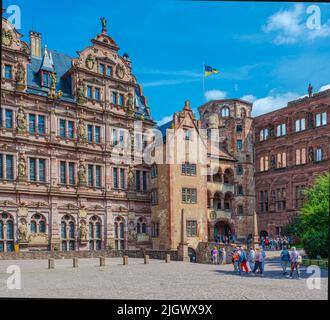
[
  {"x": 45, "y": 79},
  {"x": 109, "y": 71}
]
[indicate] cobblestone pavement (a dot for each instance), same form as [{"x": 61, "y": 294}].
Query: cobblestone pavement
[{"x": 157, "y": 280}]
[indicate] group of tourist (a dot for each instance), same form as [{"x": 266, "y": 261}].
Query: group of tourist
[
  {"x": 278, "y": 243},
  {"x": 252, "y": 261}
]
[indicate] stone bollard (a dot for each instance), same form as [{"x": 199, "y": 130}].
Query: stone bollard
[
  {"x": 75, "y": 263},
  {"x": 50, "y": 263},
  {"x": 102, "y": 261},
  {"x": 167, "y": 258},
  {"x": 125, "y": 260},
  {"x": 146, "y": 259}
]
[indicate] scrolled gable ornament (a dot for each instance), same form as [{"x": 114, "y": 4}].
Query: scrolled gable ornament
[
  {"x": 7, "y": 38},
  {"x": 90, "y": 62},
  {"x": 120, "y": 71}
]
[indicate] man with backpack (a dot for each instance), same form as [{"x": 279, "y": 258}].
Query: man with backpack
[
  {"x": 243, "y": 261},
  {"x": 295, "y": 261},
  {"x": 285, "y": 259}
]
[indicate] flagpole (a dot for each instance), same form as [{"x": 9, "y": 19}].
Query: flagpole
[{"x": 203, "y": 100}]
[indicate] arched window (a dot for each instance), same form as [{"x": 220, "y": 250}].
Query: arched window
[
  {"x": 95, "y": 233},
  {"x": 38, "y": 223},
  {"x": 228, "y": 176},
  {"x": 138, "y": 228},
  {"x": 68, "y": 233},
  {"x": 141, "y": 226},
  {"x": 144, "y": 228},
  {"x": 225, "y": 112},
  {"x": 6, "y": 232},
  {"x": 119, "y": 233},
  {"x": 33, "y": 227}
]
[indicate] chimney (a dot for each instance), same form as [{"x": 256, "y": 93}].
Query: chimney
[{"x": 35, "y": 44}]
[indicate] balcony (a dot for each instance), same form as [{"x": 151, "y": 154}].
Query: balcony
[
  {"x": 220, "y": 186},
  {"x": 219, "y": 214}
]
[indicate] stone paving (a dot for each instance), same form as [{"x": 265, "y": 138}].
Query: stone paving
[{"x": 156, "y": 280}]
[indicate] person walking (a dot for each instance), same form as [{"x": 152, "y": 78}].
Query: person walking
[
  {"x": 224, "y": 256},
  {"x": 235, "y": 260},
  {"x": 258, "y": 261},
  {"x": 263, "y": 255},
  {"x": 243, "y": 261},
  {"x": 251, "y": 258},
  {"x": 285, "y": 260},
  {"x": 215, "y": 255},
  {"x": 295, "y": 261}
]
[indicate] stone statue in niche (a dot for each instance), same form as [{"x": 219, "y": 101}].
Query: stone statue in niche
[
  {"x": 81, "y": 131},
  {"x": 132, "y": 236},
  {"x": 82, "y": 174},
  {"x": 311, "y": 155},
  {"x": 310, "y": 90},
  {"x": 130, "y": 179},
  {"x": 272, "y": 162},
  {"x": 21, "y": 169},
  {"x": 22, "y": 231},
  {"x": 80, "y": 93},
  {"x": 21, "y": 120},
  {"x": 83, "y": 231},
  {"x": 130, "y": 102},
  {"x": 20, "y": 77}
]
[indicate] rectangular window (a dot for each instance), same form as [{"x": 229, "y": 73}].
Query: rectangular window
[
  {"x": 114, "y": 97},
  {"x": 281, "y": 130},
  {"x": 319, "y": 154},
  {"x": 32, "y": 165},
  {"x": 41, "y": 124},
  {"x": 62, "y": 172},
  {"x": 154, "y": 172},
  {"x": 9, "y": 119},
  {"x": 300, "y": 125},
  {"x": 90, "y": 133},
  {"x": 263, "y": 134},
  {"x": 97, "y": 94},
  {"x": 71, "y": 173},
  {"x": 121, "y": 138},
  {"x": 45, "y": 79},
  {"x": 239, "y": 128},
  {"x": 191, "y": 228},
  {"x": 89, "y": 92},
  {"x": 101, "y": 69},
  {"x": 70, "y": 129},
  {"x": 324, "y": 119},
  {"x": 187, "y": 134},
  {"x": 90, "y": 176},
  {"x": 188, "y": 169},
  {"x": 42, "y": 170},
  {"x": 189, "y": 195},
  {"x": 154, "y": 197},
  {"x": 121, "y": 100},
  {"x": 137, "y": 180},
  {"x": 144, "y": 180},
  {"x": 98, "y": 176},
  {"x": 9, "y": 167},
  {"x": 32, "y": 123},
  {"x": 97, "y": 134},
  {"x": 8, "y": 71},
  {"x": 115, "y": 178},
  {"x": 122, "y": 178},
  {"x": 109, "y": 71},
  {"x": 62, "y": 128},
  {"x": 239, "y": 144}
]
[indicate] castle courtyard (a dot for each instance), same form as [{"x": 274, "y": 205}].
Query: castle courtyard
[{"x": 156, "y": 280}]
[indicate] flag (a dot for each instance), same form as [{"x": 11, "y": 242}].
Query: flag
[{"x": 209, "y": 70}]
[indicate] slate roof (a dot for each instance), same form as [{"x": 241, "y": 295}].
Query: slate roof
[
  {"x": 163, "y": 129},
  {"x": 61, "y": 63}
]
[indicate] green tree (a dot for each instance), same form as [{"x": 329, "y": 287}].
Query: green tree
[{"x": 313, "y": 224}]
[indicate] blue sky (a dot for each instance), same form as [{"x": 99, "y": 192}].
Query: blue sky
[{"x": 264, "y": 51}]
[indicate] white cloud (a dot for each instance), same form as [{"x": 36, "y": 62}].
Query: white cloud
[
  {"x": 273, "y": 102},
  {"x": 249, "y": 98},
  {"x": 325, "y": 87},
  {"x": 165, "y": 82},
  {"x": 290, "y": 26},
  {"x": 215, "y": 95},
  {"x": 164, "y": 120}
]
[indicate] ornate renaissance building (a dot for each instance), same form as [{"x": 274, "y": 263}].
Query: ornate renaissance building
[
  {"x": 71, "y": 176},
  {"x": 291, "y": 149}
]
